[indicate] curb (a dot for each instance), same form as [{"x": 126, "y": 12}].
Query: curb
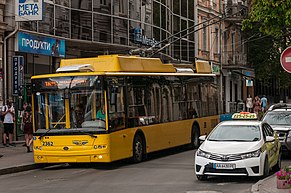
[
  {"x": 256, "y": 186},
  {"x": 20, "y": 168}
]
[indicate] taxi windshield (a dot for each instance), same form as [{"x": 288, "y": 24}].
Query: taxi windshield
[
  {"x": 64, "y": 104},
  {"x": 278, "y": 118},
  {"x": 245, "y": 133}
]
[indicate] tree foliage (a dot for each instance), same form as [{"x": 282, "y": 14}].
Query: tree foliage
[
  {"x": 270, "y": 20},
  {"x": 274, "y": 17}
]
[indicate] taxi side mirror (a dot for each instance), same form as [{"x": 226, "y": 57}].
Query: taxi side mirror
[
  {"x": 202, "y": 138},
  {"x": 270, "y": 139}
]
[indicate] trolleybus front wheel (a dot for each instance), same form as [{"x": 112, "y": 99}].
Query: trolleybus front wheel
[
  {"x": 138, "y": 149},
  {"x": 195, "y": 142}
]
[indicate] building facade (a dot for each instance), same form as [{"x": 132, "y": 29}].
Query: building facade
[
  {"x": 221, "y": 42},
  {"x": 88, "y": 28},
  {"x": 107, "y": 26}
]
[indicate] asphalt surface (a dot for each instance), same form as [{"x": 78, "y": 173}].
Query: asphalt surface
[{"x": 16, "y": 159}]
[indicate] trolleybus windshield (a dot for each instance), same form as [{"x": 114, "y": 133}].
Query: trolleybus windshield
[{"x": 68, "y": 104}]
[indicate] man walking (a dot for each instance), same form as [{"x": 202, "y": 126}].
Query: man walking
[
  {"x": 8, "y": 113},
  {"x": 264, "y": 102}
]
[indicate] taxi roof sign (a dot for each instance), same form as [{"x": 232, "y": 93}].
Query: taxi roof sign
[{"x": 244, "y": 116}]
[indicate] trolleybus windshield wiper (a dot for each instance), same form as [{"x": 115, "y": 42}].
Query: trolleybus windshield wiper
[
  {"x": 44, "y": 134},
  {"x": 90, "y": 134}
]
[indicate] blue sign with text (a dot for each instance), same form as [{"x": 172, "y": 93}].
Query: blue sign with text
[
  {"x": 30, "y": 43},
  {"x": 17, "y": 74}
]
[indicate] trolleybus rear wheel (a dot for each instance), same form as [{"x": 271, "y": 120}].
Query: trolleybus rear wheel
[{"x": 138, "y": 149}]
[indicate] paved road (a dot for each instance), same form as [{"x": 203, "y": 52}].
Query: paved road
[{"x": 171, "y": 172}]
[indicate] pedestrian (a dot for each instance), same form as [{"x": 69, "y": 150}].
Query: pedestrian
[
  {"x": 264, "y": 102},
  {"x": 257, "y": 105},
  {"x": 8, "y": 113},
  {"x": 25, "y": 104},
  {"x": 249, "y": 103},
  {"x": 27, "y": 127}
]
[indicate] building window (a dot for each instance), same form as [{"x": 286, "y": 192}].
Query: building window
[
  {"x": 216, "y": 41},
  {"x": 204, "y": 37},
  {"x": 103, "y": 2},
  {"x": 121, "y": 6},
  {"x": 233, "y": 42}
]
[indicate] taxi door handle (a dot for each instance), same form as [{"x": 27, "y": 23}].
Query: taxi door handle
[{"x": 124, "y": 135}]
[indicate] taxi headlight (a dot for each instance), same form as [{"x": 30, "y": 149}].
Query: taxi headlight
[
  {"x": 251, "y": 154},
  {"x": 203, "y": 154}
]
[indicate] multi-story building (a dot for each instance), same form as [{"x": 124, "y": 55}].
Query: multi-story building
[
  {"x": 220, "y": 42},
  {"x": 238, "y": 75},
  {"x": 85, "y": 28}
]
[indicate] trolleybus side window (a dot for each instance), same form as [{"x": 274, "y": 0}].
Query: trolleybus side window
[{"x": 116, "y": 102}]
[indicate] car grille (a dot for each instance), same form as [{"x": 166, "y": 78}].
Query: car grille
[
  {"x": 226, "y": 158},
  {"x": 224, "y": 171}
]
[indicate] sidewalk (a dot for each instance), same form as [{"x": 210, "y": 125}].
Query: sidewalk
[
  {"x": 16, "y": 159},
  {"x": 267, "y": 185}
]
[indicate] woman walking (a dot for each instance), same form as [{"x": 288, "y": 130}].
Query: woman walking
[
  {"x": 27, "y": 129},
  {"x": 257, "y": 105}
]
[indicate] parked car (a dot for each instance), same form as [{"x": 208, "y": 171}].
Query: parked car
[
  {"x": 238, "y": 148},
  {"x": 279, "y": 117}
]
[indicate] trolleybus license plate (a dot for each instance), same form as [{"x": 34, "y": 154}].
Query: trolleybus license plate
[{"x": 223, "y": 166}]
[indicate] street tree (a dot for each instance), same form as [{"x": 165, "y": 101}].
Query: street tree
[{"x": 268, "y": 28}]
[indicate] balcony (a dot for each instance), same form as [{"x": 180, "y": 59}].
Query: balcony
[
  {"x": 234, "y": 59},
  {"x": 235, "y": 12}
]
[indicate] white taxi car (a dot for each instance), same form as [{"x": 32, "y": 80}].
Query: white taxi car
[{"x": 238, "y": 148}]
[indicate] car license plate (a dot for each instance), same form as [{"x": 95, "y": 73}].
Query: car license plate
[{"x": 223, "y": 166}]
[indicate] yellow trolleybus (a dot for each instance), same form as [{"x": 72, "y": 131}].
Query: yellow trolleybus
[{"x": 114, "y": 107}]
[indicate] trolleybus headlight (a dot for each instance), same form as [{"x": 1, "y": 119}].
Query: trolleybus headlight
[
  {"x": 203, "y": 154},
  {"x": 38, "y": 148},
  {"x": 95, "y": 146},
  {"x": 251, "y": 154}
]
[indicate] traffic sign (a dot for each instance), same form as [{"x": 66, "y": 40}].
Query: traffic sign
[{"x": 285, "y": 59}]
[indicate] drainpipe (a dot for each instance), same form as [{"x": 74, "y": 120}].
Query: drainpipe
[{"x": 5, "y": 63}]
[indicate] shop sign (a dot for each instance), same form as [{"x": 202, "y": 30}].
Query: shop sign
[
  {"x": 28, "y": 10},
  {"x": 17, "y": 74},
  {"x": 248, "y": 73},
  {"x": 215, "y": 69},
  {"x": 249, "y": 83},
  {"x": 34, "y": 44},
  {"x": 142, "y": 39}
]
